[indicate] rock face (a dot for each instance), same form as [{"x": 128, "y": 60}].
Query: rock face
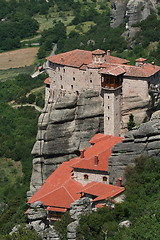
[
  {"x": 138, "y": 10},
  {"x": 79, "y": 207},
  {"x": 142, "y": 141},
  {"x": 37, "y": 216},
  {"x": 64, "y": 128},
  {"x": 118, "y": 12},
  {"x": 131, "y": 11},
  {"x": 141, "y": 110}
]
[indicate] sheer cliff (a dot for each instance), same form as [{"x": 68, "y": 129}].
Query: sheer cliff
[{"x": 64, "y": 128}]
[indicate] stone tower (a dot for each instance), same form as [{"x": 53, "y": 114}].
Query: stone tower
[{"x": 112, "y": 111}]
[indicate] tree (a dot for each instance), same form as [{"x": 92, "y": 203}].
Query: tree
[{"x": 131, "y": 124}]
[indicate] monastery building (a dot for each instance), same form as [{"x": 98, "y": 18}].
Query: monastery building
[{"x": 78, "y": 70}]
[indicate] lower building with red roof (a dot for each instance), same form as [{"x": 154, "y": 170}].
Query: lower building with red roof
[{"x": 86, "y": 175}]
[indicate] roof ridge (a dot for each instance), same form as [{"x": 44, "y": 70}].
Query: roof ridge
[
  {"x": 68, "y": 192},
  {"x": 95, "y": 183},
  {"x": 48, "y": 193}
]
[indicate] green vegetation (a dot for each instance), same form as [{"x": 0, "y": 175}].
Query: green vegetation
[
  {"x": 11, "y": 73},
  {"x": 17, "y": 136},
  {"x": 23, "y": 233},
  {"x": 141, "y": 207},
  {"x": 131, "y": 124},
  {"x": 61, "y": 226}
]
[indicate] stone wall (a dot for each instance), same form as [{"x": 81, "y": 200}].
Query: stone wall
[
  {"x": 92, "y": 176},
  {"x": 71, "y": 79}
]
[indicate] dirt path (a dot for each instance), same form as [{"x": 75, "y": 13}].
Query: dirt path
[
  {"x": 27, "y": 105},
  {"x": 35, "y": 90}
]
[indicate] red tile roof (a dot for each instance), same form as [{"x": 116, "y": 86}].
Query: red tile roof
[
  {"x": 114, "y": 71},
  {"x": 146, "y": 70},
  {"x": 113, "y": 65},
  {"x": 78, "y": 58},
  {"x": 98, "y": 137},
  {"x": 75, "y": 58},
  {"x": 98, "y": 52},
  {"x": 117, "y": 60},
  {"x": 141, "y": 60},
  {"x": 102, "y": 149},
  {"x": 54, "y": 209},
  {"x": 60, "y": 189},
  {"x": 102, "y": 190},
  {"x": 47, "y": 81}
]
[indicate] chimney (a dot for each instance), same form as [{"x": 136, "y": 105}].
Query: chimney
[
  {"x": 82, "y": 153},
  {"x": 96, "y": 160},
  {"x": 119, "y": 182},
  {"x": 153, "y": 64},
  {"x": 141, "y": 64},
  {"x": 108, "y": 52}
]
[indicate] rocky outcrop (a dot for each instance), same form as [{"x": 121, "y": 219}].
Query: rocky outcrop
[
  {"x": 141, "y": 110},
  {"x": 64, "y": 128},
  {"x": 144, "y": 140},
  {"x": 37, "y": 216},
  {"x": 77, "y": 209},
  {"x": 131, "y": 11},
  {"x": 118, "y": 12}
]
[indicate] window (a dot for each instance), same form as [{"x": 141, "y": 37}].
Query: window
[
  {"x": 90, "y": 73},
  {"x": 104, "y": 179},
  {"x": 61, "y": 86},
  {"x": 71, "y": 86},
  {"x": 74, "y": 79},
  {"x": 85, "y": 177},
  {"x": 108, "y": 118},
  {"x": 60, "y": 77},
  {"x": 58, "y": 68},
  {"x": 90, "y": 80},
  {"x": 63, "y": 70},
  {"x": 108, "y": 97},
  {"x": 108, "y": 107}
]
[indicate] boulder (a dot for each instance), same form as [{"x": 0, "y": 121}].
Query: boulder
[{"x": 125, "y": 223}]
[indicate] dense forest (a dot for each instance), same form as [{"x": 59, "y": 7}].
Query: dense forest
[
  {"x": 17, "y": 136},
  {"x": 19, "y": 20},
  {"x": 75, "y": 24}
]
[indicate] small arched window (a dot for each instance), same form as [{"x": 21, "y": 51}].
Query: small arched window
[
  {"x": 104, "y": 179},
  {"x": 85, "y": 177}
]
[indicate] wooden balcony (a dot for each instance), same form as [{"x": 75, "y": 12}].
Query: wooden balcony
[{"x": 111, "y": 82}]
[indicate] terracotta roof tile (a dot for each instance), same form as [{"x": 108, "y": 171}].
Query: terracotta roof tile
[
  {"x": 102, "y": 190},
  {"x": 114, "y": 71},
  {"x": 75, "y": 58},
  {"x": 60, "y": 189},
  {"x": 141, "y": 60},
  {"x": 113, "y": 65},
  {"x": 98, "y": 52},
  {"x": 117, "y": 60},
  {"x": 102, "y": 149},
  {"x": 47, "y": 81},
  {"x": 56, "y": 209}
]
